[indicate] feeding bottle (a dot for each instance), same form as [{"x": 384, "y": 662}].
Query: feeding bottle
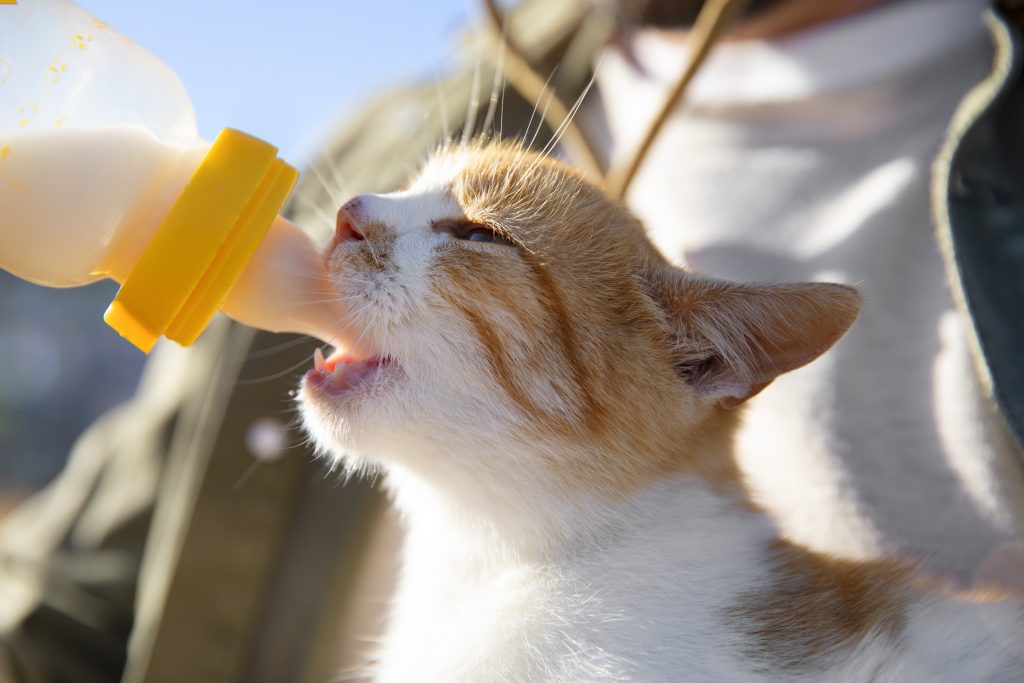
[{"x": 102, "y": 175}]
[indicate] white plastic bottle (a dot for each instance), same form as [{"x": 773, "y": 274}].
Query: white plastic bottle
[{"x": 102, "y": 174}]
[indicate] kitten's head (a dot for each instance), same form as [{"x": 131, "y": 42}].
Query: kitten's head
[{"x": 518, "y": 326}]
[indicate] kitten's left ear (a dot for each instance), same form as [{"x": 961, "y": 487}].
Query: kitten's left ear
[{"x": 731, "y": 340}]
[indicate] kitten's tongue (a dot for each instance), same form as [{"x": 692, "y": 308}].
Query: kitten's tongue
[{"x": 344, "y": 373}]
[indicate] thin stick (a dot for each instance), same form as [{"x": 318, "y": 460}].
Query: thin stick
[
  {"x": 531, "y": 86},
  {"x": 714, "y": 18}
]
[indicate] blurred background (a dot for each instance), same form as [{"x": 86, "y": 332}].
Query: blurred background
[{"x": 297, "y": 70}]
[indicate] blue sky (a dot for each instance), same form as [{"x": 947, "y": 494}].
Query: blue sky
[{"x": 286, "y": 71}]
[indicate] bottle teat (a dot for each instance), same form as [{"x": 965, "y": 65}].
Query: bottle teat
[{"x": 204, "y": 243}]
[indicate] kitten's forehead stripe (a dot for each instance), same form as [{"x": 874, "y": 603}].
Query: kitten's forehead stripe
[
  {"x": 559, "y": 314},
  {"x": 475, "y": 273},
  {"x": 491, "y": 343},
  {"x": 475, "y": 288}
]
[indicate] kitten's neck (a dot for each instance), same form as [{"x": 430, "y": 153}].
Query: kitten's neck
[
  {"x": 535, "y": 519},
  {"x": 536, "y": 523}
]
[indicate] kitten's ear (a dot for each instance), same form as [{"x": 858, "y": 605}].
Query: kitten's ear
[{"x": 731, "y": 340}]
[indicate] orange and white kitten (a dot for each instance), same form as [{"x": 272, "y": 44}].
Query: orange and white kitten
[{"x": 553, "y": 405}]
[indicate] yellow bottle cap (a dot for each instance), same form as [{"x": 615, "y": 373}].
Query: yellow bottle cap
[{"x": 199, "y": 251}]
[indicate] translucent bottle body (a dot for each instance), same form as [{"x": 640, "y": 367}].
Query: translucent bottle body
[
  {"x": 97, "y": 144},
  {"x": 79, "y": 202}
]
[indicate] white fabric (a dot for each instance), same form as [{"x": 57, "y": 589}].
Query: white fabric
[{"x": 807, "y": 157}]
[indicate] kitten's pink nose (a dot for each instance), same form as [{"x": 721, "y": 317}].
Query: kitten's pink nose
[{"x": 346, "y": 227}]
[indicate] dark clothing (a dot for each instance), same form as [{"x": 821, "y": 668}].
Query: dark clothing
[{"x": 978, "y": 194}]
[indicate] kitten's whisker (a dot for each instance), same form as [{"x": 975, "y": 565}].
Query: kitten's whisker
[
  {"x": 328, "y": 188},
  {"x": 540, "y": 124},
  {"x": 312, "y": 291},
  {"x": 245, "y": 475},
  {"x": 355, "y": 344},
  {"x": 341, "y": 295},
  {"x": 327, "y": 300},
  {"x": 276, "y": 348},
  {"x": 339, "y": 191},
  {"x": 337, "y": 336},
  {"x": 474, "y": 104},
  {"x": 442, "y": 109},
  {"x": 501, "y": 113},
  {"x": 318, "y": 211},
  {"x": 329, "y": 342},
  {"x": 336, "y": 190},
  {"x": 557, "y": 136},
  {"x": 373, "y": 253},
  {"x": 273, "y": 376},
  {"x": 298, "y": 273},
  {"x": 340, "y": 183},
  {"x": 499, "y": 69},
  {"x": 316, "y": 302},
  {"x": 348, "y": 300},
  {"x": 521, "y": 152}
]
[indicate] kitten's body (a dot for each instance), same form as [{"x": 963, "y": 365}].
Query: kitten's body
[
  {"x": 554, "y": 408},
  {"x": 669, "y": 589}
]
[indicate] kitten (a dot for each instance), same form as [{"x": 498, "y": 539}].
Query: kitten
[{"x": 553, "y": 405}]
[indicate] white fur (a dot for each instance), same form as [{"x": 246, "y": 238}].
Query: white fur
[{"x": 637, "y": 594}]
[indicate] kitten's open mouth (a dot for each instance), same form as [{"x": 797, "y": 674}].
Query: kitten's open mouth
[{"x": 339, "y": 374}]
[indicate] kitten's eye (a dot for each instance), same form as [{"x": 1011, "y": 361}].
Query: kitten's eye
[
  {"x": 480, "y": 235},
  {"x": 472, "y": 232}
]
